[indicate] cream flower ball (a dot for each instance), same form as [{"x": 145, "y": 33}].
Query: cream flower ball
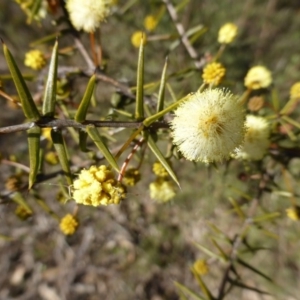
[
  {"x": 88, "y": 14},
  {"x": 257, "y": 138},
  {"x": 227, "y": 33},
  {"x": 258, "y": 77},
  {"x": 209, "y": 125}
]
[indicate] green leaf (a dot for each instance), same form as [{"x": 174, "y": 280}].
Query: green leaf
[
  {"x": 50, "y": 88},
  {"x": 152, "y": 145},
  {"x": 223, "y": 254},
  {"x": 246, "y": 265},
  {"x": 183, "y": 288},
  {"x": 148, "y": 121},
  {"x": 29, "y": 108},
  {"x": 210, "y": 253},
  {"x": 291, "y": 121},
  {"x": 19, "y": 199},
  {"x": 237, "y": 208},
  {"x": 85, "y": 102},
  {"x": 96, "y": 137},
  {"x": 161, "y": 92},
  {"x": 61, "y": 150},
  {"x": 34, "y": 9},
  {"x": 139, "y": 106},
  {"x": 202, "y": 285},
  {"x": 244, "y": 286},
  {"x": 275, "y": 99},
  {"x": 266, "y": 217},
  {"x": 33, "y": 137}
]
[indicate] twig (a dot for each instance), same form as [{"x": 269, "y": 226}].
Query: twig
[
  {"x": 181, "y": 31},
  {"x": 238, "y": 239},
  {"x": 60, "y": 123}
]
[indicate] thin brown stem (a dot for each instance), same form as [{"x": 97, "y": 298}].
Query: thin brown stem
[
  {"x": 60, "y": 123},
  {"x": 182, "y": 33}
]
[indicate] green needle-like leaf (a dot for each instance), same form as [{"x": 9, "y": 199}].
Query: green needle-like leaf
[
  {"x": 152, "y": 145},
  {"x": 85, "y": 102},
  {"x": 33, "y": 137},
  {"x": 29, "y": 108},
  {"x": 61, "y": 150},
  {"x": 19, "y": 199},
  {"x": 243, "y": 263},
  {"x": 50, "y": 88},
  {"x": 244, "y": 286},
  {"x": 202, "y": 285},
  {"x": 139, "y": 106},
  {"x": 223, "y": 254},
  {"x": 147, "y": 122},
  {"x": 237, "y": 208},
  {"x": 161, "y": 92},
  {"x": 185, "y": 289},
  {"x": 209, "y": 252},
  {"x": 96, "y": 137},
  {"x": 266, "y": 217},
  {"x": 291, "y": 121}
]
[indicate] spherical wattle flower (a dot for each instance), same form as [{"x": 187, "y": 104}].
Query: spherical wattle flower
[
  {"x": 213, "y": 73},
  {"x": 97, "y": 186},
  {"x": 227, "y": 33},
  {"x": 209, "y": 125},
  {"x": 257, "y": 138},
  {"x": 295, "y": 91},
  {"x": 258, "y": 77},
  {"x": 88, "y": 14}
]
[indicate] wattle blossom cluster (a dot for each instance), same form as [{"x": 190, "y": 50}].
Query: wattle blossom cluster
[{"x": 209, "y": 126}]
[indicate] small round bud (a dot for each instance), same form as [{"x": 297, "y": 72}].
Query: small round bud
[
  {"x": 159, "y": 170},
  {"x": 132, "y": 177},
  {"x": 256, "y": 103},
  {"x": 35, "y": 59},
  {"x": 23, "y": 213},
  {"x": 68, "y": 224}
]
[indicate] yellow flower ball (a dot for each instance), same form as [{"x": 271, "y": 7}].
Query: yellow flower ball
[
  {"x": 150, "y": 22},
  {"x": 162, "y": 190},
  {"x": 97, "y": 186},
  {"x": 137, "y": 37},
  {"x": 159, "y": 170},
  {"x": 68, "y": 224},
  {"x": 200, "y": 267},
  {"x": 257, "y": 138},
  {"x": 227, "y": 33},
  {"x": 295, "y": 90},
  {"x": 213, "y": 73},
  {"x": 87, "y": 15},
  {"x": 35, "y": 59},
  {"x": 208, "y": 126},
  {"x": 293, "y": 213},
  {"x": 258, "y": 77},
  {"x": 23, "y": 213},
  {"x": 131, "y": 177}
]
